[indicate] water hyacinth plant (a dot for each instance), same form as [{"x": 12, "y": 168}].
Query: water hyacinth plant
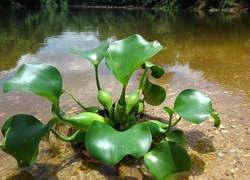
[{"x": 112, "y": 131}]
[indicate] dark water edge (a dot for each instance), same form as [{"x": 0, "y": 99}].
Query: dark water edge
[{"x": 209, "y": 5}]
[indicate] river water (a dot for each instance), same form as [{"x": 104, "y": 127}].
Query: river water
[{"x": 208, "y": 52}]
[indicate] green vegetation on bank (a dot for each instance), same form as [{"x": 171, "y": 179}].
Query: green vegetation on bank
[{"x": 159, "y": 4}]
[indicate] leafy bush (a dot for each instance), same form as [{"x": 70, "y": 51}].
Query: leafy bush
[
  {"x": 227, "y": 3},
  {"x": 117, "y": 132}
]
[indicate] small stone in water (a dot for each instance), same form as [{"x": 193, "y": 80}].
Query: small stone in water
[
  {"x": 224, "y": 131},
  {"x": 220, "y": 154},
  {"x": 222, "y": 127},
  {"x": 232, "y": 150}
]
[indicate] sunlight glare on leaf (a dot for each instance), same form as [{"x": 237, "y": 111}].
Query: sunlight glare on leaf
[
  {"x": 93, "y": 56},
  {"x": 200, "y": 97},
  {"x": 104, "y": 144},
  {"x": 152, "y": 158}
]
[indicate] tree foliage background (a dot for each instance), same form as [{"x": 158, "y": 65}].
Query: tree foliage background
[{"x": 164, "y": 4}]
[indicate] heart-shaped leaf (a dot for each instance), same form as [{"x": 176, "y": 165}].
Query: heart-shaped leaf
[
  {"x": 153, "y": 93},
  {"x": 22, "y": 134},
  {"x": 167, "y": 160},
  {"x": 193, "y": 106},
  {"x": 95, "y": 55},
  {"x": 125, "y": 55},
  {"x": 41, "y": 79},
  {"x": 109, "y": 146}
]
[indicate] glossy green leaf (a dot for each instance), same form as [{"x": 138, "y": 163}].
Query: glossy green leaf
[
  {"x": 109, "y": 146},
  {"x": 167, "y": 160},
  {"x": 95, "y": 55},
  {"x": 125, "y": 55},
  {"x": 193, "y": 106},
  {"x": 178, "y": 137},
  {"x": 156, "y": 71},
  {"x": 153, "y": 93},
  {"x": 41, "y": 79},
  {"x": 22, "y": 134}
]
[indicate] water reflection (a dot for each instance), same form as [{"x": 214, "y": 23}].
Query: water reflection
[
  {"x": 217, "y": 45},
  {"x": 56, "y": 51}
]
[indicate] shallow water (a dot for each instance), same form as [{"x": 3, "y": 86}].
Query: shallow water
[{"x": 208, "y": 52}]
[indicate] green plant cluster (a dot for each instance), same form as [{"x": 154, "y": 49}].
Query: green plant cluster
[
  {"x": 112, "y": 131},
  {"x": 17, "y": 3},
  {"x": 198, "y": 4}
]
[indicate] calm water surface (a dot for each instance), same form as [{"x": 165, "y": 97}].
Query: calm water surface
[{"x": 209, "y": 52}]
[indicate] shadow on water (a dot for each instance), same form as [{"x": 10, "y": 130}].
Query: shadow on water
[
  {"x": 198, "y": 165},
  {"x": 198, "y": 141},
  {"x": 202, "y": 151},
  {"x": 19, "y": 175}
]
